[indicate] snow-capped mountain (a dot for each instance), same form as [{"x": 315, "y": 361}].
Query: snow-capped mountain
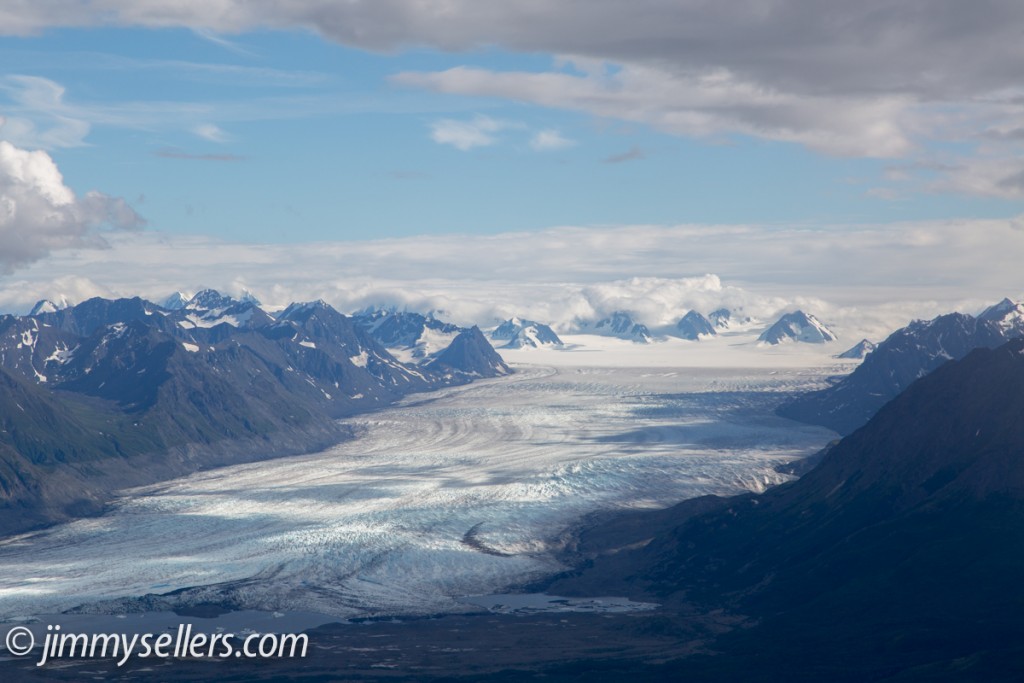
[
  {"x": 411, "y": 337},
  {"x": 86, "y": 317},
  {"x": 1008, "y": 315},
  {"x": 48, "y": 306},
  {"x": 693, "y": 326},
  {"x": 176, "y": 395},
  {"x": 520, "y": 333},
  {"x": 210, "y": 308},
  {"x": 906, "y": 355},
  {"x": 858, "y": 351},
  {"x": 175, "y": 302},
  {"x": 797, "y": 326},
  {"x": 28, "y": 344},
  {"x": 619, "y": 324},
  {"x": 720, "y": 318},
  {"x": 469, "y": 354}
]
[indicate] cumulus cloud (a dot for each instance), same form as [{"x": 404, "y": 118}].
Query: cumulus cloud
[{"x": 39, "y": 213}]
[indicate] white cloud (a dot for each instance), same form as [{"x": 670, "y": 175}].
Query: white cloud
[
  {"x": 941, "y": 49},
  {"x": 548, "y": 139},
  {"x": 698, "y": 103},
  {"x": 990, "y": 176},
  {"x": 41, "y": 118},
  {"x": 865, "y": 279},
  {"x": 40, "y": 214},
  {"x": 221, "y": 41},
  {"x": 465, "y": 135},
  {"x": 211, "y": 132},
  {"x": 40, "y": 114},
  {"x": 864, "y": 78},
  {"x": 870, "y": 78}
]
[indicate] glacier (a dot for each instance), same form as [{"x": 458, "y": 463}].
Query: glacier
[{"x": 463, "y": 491}]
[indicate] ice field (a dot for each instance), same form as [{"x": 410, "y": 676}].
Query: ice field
[{"x": 454, "y": 493}]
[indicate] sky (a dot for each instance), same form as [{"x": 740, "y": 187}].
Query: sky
[{"x": 842, "y": 154}]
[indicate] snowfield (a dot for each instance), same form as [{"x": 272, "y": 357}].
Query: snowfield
[{"x": 459, "y": 492}]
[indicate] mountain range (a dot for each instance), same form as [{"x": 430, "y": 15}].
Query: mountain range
[
  {"x": 619, "y": 324},
  {"x": 906, "y": 355},
  {"x": 114, "y": 393}
]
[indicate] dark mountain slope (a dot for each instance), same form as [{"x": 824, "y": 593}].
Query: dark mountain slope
[
  {"x": 693, "y": 326},
  {"x": 92, "y": 314},
  {"x": 122, "y": 393},
  {"x": 901, "y": 553},
  {"x": 49, "y": 447},
  {"x": 27, "y": 345},
  {"x": 906, "y": 355},
  {"x": 469, "y": 355},
  {"x": 341, "y": 340}
]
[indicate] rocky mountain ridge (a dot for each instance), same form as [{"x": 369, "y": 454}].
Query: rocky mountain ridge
[{"x": 138, "y": 392}]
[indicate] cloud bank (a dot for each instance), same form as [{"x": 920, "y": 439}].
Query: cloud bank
[
  {"x": 40, "y": 214},
  {"x": 865, "y": 279}
]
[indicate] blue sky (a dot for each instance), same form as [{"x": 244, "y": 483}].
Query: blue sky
[
  {"x": 286, "y": 136},
  {"x": 863, "y": 160}
]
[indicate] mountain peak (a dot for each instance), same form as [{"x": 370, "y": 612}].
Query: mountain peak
[
  {"x": 302, "y": 308},
  {"x": 859, "y": 350},
  {"x": 208, "y": 299},
  {"x": 622, "y": 325},
  {"x": 523, "y": 333},
  {"x": 1008, "y": 315},
  {"x": 175, "y": 302},
  {"x": 720, "y": 317},
  {"x": 46, "y": 306},
  {"x": 470, "y": 354},
  {"x": 998, "y": 310},
  {"x": 797, "y": 326},
  {"x": 693, "y": 326}
]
